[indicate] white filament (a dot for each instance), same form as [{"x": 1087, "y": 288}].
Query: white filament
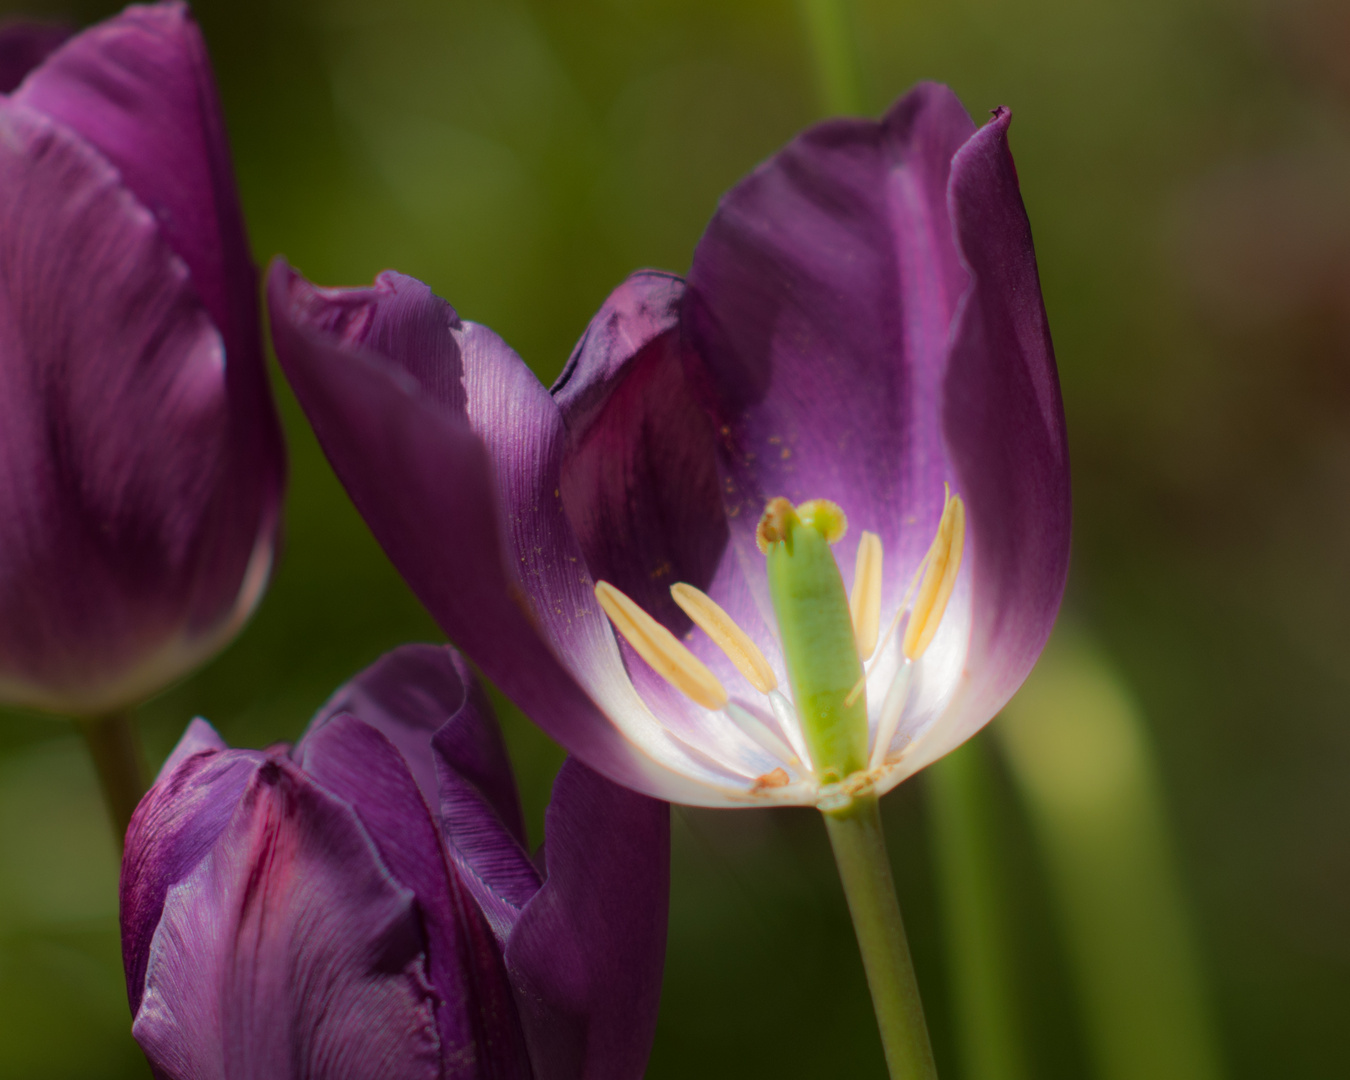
[{"x": 892, "y": 708}]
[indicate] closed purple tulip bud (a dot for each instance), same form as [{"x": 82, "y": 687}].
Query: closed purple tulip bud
[
  {"x": 141, "y": 459},
  {"x": 364, "y": 904},
  {"x": 641, "y": 556}
]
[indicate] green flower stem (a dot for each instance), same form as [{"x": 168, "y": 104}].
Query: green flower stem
[
  {"x": 865, "y": 870},
  {"x": 116, "y": 749}
]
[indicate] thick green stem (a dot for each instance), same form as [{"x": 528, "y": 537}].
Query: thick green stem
[
  {"x": 116, "y": 749},
  {"x": 865, "y": 870}
]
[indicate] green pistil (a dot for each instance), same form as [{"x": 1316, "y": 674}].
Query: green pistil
[{"x": 817, "y": 633}]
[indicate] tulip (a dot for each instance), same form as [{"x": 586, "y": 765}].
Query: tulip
[
  {"x": 364, "y": 905},
  {"x": 862, "y": 325},
  {"x": 783, "y": 532},
  {"x": 141, "y": 462}
]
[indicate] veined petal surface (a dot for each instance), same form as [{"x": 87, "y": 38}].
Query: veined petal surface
[
  {"x": 313, "y": 908},
  {"x": 1004, "y": 423},
  {"x": 289, "y": 951},
  {"x": 822, "y": 297},
  {"x": 139, "y": 89},
  {"x": 132, "y": 366},
  {"x": 102, "y": 340},
  {"x": 172, "y": 831},
  {"x": 587, "y": 953},
  {"x": 354, "y": 761},
  {"x": 452, "y": 450}
]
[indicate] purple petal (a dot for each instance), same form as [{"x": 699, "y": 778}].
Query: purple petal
[
  {"x": 103, "y": 341},
  {"x": 640, "y": 486},
  {"x": 822, "y": 299},
  {"x": 472, "y": 745},
  {"x": 1005, "y": 425},
  {"x": 173, "y": 829},
  {"x": 586, "y": 956},
  {"x": 199, "y": 738},
  {"x": 289, "y": 951},
  {"x": 23, "y": 46},
  {"x": 639, "y": 478},
  {"x": 481, "y": 816},
  {"x": 451, "y": 450},
  {"x": 406, "y": 695},
  {"x": 357, "y": 763},
  {"x": 139, "y": 89}
]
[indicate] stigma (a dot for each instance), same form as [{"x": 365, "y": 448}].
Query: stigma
[{"x": 830, "y": 642}]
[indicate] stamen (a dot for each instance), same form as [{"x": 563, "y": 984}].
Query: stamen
[
  {"x": 938, "y": 580},
  {"x": 924, "y": 563},
  {"x": 895, "y": 622},
  {"x": 760, "y": 732},
  {"x": 892, "y": 708},
  {"x": 658, "y": 646},
  {"x": 726, "y": 635},
  {"x": 865, "y": 602},
  {"x": 791, "y": 726}
]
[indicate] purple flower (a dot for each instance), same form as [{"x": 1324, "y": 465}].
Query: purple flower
[
  {"x": 364, "y": 905},
  {"x": 862, "y": 324},
  {"x": 141, "y": 461}
]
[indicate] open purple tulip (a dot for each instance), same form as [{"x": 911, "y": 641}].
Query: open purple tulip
[
  {"x": 859, "y": 357},
  {"x": 364, "y": 905},
  {"x": 141, "y": 460}
]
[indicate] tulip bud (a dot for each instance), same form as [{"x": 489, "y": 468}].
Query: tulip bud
[
  {"x": 365, "y": 904},
  {"x": 141, "y": 460}
]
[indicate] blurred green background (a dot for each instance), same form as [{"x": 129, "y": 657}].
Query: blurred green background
[{"x": 1144, "y": 870}]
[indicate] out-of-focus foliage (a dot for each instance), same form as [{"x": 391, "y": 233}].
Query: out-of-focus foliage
[{"x": 1186, "y": 165}]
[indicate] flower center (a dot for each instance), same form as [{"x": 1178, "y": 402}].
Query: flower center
[
  {"x": 828, "y": 639},
  {"x": 815, "y": 625}
]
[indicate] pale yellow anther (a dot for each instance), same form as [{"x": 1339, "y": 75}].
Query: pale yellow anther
[
  {"x": 659, "y": 647},
  {"x": 726, "y": 635},
  {"x": 865, "y": 601},
  {"x": 944, "y": 560}
]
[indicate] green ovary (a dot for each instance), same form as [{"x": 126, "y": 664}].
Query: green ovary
[{"x": 817, "y": 634}]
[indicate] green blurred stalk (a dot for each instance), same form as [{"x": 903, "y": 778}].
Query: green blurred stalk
[
  {"x": 834, "y": 55},
  {"x": 1080, "y": 754},
  {"x": 115, "y": 746},
  {"x": 965, "y": 857},
  {"x": 865, "y": 871}
]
